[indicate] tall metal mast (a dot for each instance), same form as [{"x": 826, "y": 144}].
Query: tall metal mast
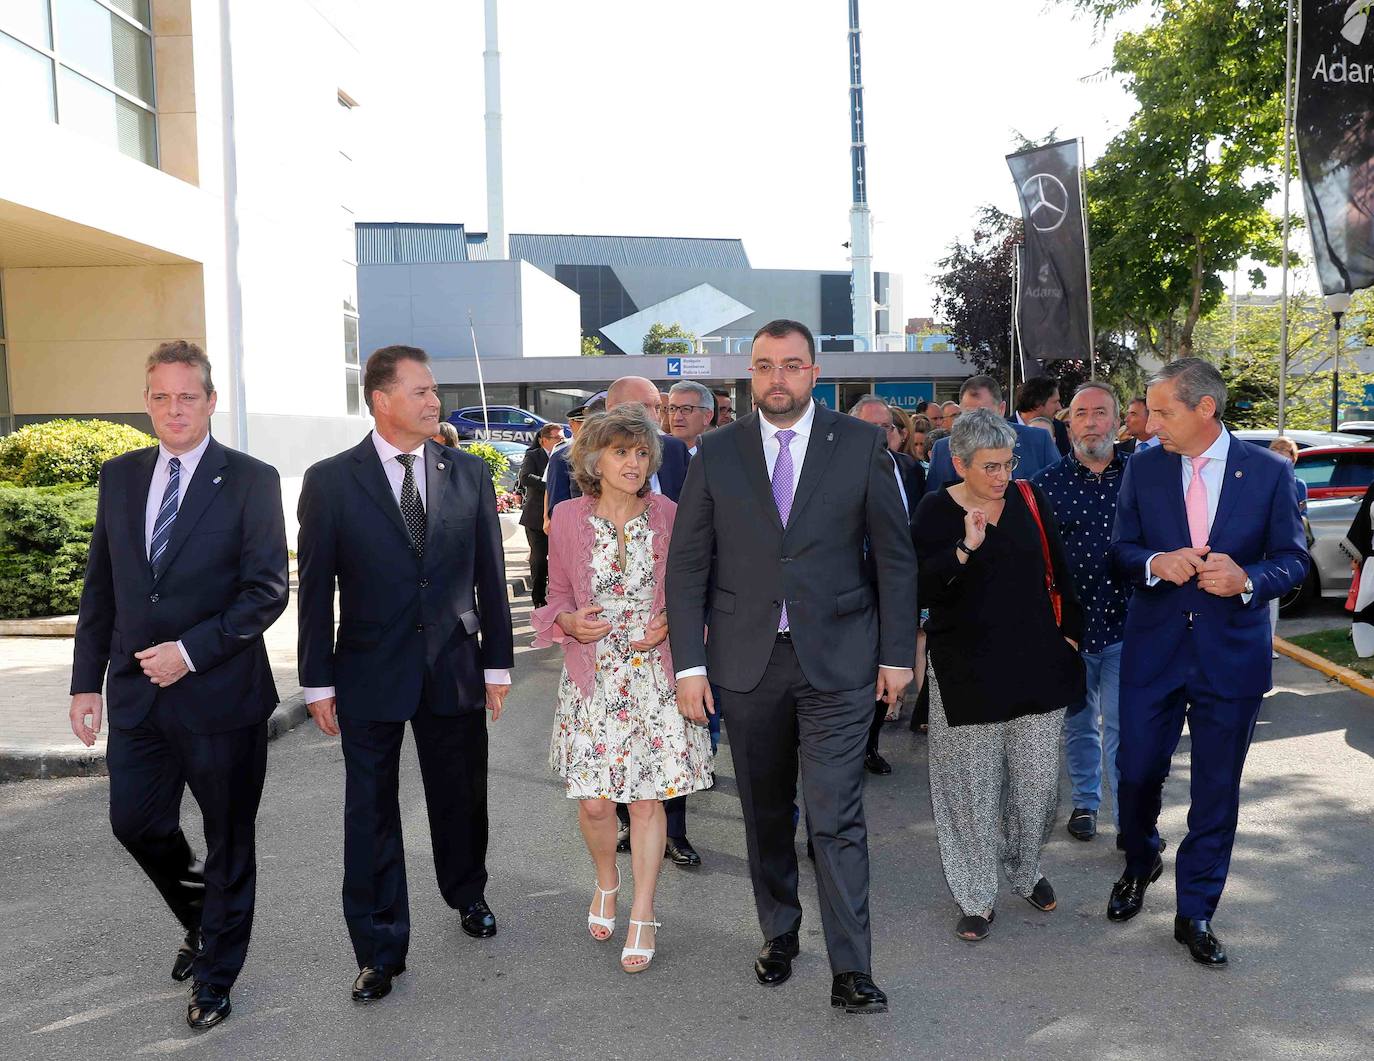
[
  {"x": 496, "y": 208},
  {"x": 860, "y": 221}
]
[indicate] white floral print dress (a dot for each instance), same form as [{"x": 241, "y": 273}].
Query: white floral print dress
[{"x": 627, "y": 741}]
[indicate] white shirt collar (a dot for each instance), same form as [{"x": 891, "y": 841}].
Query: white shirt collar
[
  {"x": 386, "y": 451},
  {"x": 1219, "y": 449},
  {"x": 802, "y": 427},
  {"x": 189, "y": 459}
]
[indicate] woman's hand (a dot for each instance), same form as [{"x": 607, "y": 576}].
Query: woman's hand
[
  {"x": 583, "y": 624},
  {"x": 975, "y": 527},
  {"x": 654, "y": 636}
]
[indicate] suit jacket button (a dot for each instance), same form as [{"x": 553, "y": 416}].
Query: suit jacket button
[
  {"x": 419, "y": 628},
  {"x": 154, "y": 599},
  {"x": 424, "y": 583},
  {"x": 777, "y": 604}
]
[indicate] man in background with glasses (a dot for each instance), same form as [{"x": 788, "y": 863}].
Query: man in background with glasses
[
  {"x": 691, "y": 408},
  {"x": 785, "y": 517},
  {"x": 1034, "y": 448}
]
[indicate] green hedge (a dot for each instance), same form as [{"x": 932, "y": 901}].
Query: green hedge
[
  {"x": 45, "y": 534},
  {"x": 65, "y": 451}
]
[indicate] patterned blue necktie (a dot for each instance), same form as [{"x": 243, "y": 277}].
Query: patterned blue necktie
[{"x": 166, "y": 516}]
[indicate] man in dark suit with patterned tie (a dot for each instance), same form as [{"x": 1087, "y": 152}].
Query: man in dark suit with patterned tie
[
  {"x": 407, "y": 530},
  {"x": 187, "y": 569}
]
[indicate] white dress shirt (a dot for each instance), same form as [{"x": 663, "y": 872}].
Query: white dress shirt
[
  {"x": 395, "y": 475},
  {"x": 162, "y": 471},
  {"x": 797, "y": 447},
  {"x": 1213, "y": 478}
]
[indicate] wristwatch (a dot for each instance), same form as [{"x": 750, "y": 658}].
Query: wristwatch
[
  {"x": 1249, "y": 587},
  {"x": 963, "y": 548}
]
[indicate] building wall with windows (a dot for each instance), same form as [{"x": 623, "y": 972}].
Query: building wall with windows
[{"x": 167, "y": 175}]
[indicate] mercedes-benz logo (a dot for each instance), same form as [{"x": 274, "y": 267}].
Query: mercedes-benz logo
[{"x": 1047, "y": 201}]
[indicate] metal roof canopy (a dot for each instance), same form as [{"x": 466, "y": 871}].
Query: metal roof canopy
[{"x": 672, "y": 252}]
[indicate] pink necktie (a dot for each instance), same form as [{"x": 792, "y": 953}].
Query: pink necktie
[{"x": 1196, "y": 503}]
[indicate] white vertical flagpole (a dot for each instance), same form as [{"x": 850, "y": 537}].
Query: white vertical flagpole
[
  {"x": 481, "y": 386},
  {"x": 1015, "y": 315},
  {"x": 1287, "y": 172},
  {"x": 1087, "y": 267}
]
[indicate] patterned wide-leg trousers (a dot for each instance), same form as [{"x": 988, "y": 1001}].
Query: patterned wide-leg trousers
[{"x": 977, "y": 825}]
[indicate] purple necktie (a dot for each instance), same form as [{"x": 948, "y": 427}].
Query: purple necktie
[{"x": 782, "y": 493}]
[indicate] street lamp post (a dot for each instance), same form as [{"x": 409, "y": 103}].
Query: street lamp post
[{"x": 1338, "y": 304}]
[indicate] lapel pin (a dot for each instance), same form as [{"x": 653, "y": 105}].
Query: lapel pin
[
  {"x": 1239, "y": 474},
  {"x": 216, "y": 480},
  {"x": 830, "y": 437},
  {"x": 440, "y": 466}
]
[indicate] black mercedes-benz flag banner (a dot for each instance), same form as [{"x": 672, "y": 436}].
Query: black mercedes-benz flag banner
[
  {"x": 1054, "y": 311},
  {"x": 1335, "y": 130}
]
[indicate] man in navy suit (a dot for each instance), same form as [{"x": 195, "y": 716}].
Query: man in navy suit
[
  {"x": 1207, "y": 531},
  {"x": 187, "y": 569},
  {"x": 408, "y": 532},
  {"x": 1039, "y": 397},
  {"x": 667, "y": 481},
  {"x": 1034, "y": 448}
]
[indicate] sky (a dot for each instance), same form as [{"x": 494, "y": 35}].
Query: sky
[{"x": 725, "y": 118}]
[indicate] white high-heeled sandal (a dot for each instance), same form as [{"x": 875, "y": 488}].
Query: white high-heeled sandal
[
  {"x": 647, "y": 953},
  {"x": 608, "y": 923}
]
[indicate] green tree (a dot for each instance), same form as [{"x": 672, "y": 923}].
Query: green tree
[
  {"x": 591, "y": 346},
  {"x": 654, "y": 345},
  {"x": 973, "y": 292},
  {"x": 1177, "y": 198}
]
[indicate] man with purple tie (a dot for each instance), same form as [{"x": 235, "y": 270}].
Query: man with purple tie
[
  {"x": 1207, "y": 531},
  {"x": 768, "y": 553}
]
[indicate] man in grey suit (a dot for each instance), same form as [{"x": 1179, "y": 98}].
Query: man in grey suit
[
  {"x": 1034, "y": 447},
  {"x": 779, "y": 520}
]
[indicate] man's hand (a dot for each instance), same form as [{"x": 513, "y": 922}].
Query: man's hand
[
  {"x": 1221, "y": 576},
  {"x": 1178, "y": 566},
  {"x": 892, "y": 682},
  {"x": 325, "y": 714},
  {"x": 654, "y": 634},
  {"x": 694, "y": 700},
  {"x": 582, "y": 625},
  {"x": 496, "y": 699},
  {"x": 86, "y": 706},
  {"x": 163, "y": 664}
]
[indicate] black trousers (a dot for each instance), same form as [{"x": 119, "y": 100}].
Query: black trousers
[
  {"x": 876, "y": 727},
  {"x": 780, "y": 722},
  {"x": 150, "y": 767},
  {"x": 674, "y": 809},
  {"x": 452, "y": 750},
  {"x": 539, "y": 565}
]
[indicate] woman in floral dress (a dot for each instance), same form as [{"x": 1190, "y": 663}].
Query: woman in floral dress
[{"x": 618, "y": 736}]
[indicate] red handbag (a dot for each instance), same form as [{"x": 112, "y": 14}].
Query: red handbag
[
  {"x": 1056, "y": 598},
  {"x": 1354, "y": 594}
]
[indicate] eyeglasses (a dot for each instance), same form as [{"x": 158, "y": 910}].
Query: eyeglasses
[
  {"x": 673, "y": 410},
  {"x": 791, "y": 369},
  {"x": 991, "y": 470}
]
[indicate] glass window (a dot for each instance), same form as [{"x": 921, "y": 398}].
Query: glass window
[
  {"x": 354, "y": 396},
  {"x": 27, "y": 20},
  {"x": 98, "y": 113},
  {"x": 1317, "y": 470},
  {"x": 103, "y": 45},
  {"x": 1353, "y": 471},
  {"x": 135, "y": 9},
  {"x": 351, "y": 340},
  {"x": 25, "y": 80}
]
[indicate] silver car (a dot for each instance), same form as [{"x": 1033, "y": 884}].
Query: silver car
[{"x": 1329, "y": 573}]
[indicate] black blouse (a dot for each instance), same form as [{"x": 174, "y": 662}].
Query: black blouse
[{"x": 993, "y": 641}]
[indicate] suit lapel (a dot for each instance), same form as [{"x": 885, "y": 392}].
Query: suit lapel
[
  {"x": 204, "y": 488},
  {"x": 137, "y": 503},
  {"x": 436, "y": 489},
  {"x": 819, "y": 449},
  {"x": 367, "y": 469},
  {"x": 749, "y": 441},
  {"x": 1173, "y": 491},
  {"x": 1232, "y": 483}
]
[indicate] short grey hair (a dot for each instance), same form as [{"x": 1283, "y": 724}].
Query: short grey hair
[
  {"x": 867, "y": 399},
  {"x": 1194, "y": 379},
  {"x": 979, "y": 429},
  {"x": 629, "y": 423},
  {"x": 1106, "y": 388},
  {"x": 704, "y": 397}
]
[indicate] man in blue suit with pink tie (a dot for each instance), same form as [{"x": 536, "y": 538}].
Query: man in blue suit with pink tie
[{"x": 1208, "y": 533}]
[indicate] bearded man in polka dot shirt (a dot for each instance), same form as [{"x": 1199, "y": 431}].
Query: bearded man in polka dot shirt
[{"x": 1082, "y": 490}]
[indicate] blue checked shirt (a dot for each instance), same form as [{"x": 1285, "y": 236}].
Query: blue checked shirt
[{"x": 1084, "y": 506}]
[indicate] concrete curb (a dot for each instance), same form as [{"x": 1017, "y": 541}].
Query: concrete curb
[
  {"x": 48, "y": 626},
  {"x": 29, "y": 764},
  {"x": 1344, "y": 675}
]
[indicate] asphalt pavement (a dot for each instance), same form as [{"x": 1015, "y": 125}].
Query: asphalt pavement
[{"x": 86, "y": 945}]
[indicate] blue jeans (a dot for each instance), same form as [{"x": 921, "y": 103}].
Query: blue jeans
[{"x": 1086, "y": 738}]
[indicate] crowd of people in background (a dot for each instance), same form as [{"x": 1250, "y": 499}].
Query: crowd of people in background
[{"x": 1054, "y": 579}]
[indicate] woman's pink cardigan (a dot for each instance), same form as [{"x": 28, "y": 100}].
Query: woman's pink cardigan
[{"x": 571, "y": 540}]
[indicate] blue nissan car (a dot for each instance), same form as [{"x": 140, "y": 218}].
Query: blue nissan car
[{"x": 508, "y": 424}]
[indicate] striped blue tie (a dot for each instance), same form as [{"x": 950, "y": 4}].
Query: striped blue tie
[{"x": 166, "y": 516}]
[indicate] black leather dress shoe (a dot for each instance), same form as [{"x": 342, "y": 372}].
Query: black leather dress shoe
[
  {"x": 681, "y": 851},
  {"x": 209, "y": 1006},
  {"x": 622, "y": 839},
  {"x": 876, "y": 764},
  {"x": 1202, "y": 943},
  {"x": 1128, "y": 893},
  {"x": 186, "y": 955},
  {"x": 374, "y": 982},
  {"x": 857, "y": 993},
  {"x": 774, "y": 963},
  {"x": 478, "y": 920},
  {"x": 1083, "y": 823}
]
